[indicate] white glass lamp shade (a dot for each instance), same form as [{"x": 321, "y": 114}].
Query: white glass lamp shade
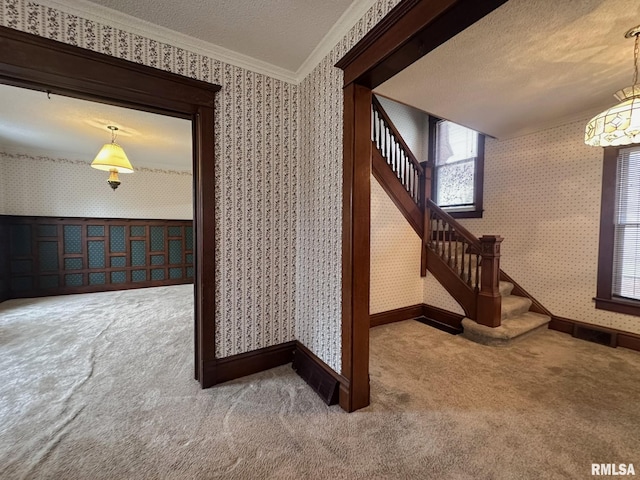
[
  {"x": 619, "y": 125},
  {"x": 112, "y": 157}
]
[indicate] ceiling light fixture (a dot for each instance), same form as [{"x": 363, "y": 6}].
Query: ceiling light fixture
[
  {"x": 112, "y": 159},
  {"x": 620, "y": 125}
]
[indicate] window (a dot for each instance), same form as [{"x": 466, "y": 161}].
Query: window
[
  {"x": 619, "y": 256},
  {"x": 457, "y": 154}
]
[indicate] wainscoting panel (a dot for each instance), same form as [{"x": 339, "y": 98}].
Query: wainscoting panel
[{"x": 54, "y": 256}]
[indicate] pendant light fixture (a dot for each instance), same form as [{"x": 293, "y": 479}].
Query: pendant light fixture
[
  {"x": 619, "y": 125},
  {"x": 112, "y": 159}
]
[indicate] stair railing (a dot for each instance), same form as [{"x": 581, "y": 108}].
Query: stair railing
[
  {"x": 476, "y": 261},
  {"x": 396, "y": 152}
]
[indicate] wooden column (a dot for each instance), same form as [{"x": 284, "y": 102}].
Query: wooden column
[
  {"x": 489, "y": 299},
  {"x": 356, "y": 213}
]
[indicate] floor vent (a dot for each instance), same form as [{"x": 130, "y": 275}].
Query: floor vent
[
  {"x": 439, "y": 325},
  {"x": 595, "y": 335},
  {"x": 321, "y": 381}
]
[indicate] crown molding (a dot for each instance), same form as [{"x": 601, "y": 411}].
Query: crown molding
[
  {"x": 346, "y": 21},
  {"x": 122, "y": 21}
]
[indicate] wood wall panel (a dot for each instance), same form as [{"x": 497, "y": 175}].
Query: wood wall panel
[{"x": 56, "y": 256}]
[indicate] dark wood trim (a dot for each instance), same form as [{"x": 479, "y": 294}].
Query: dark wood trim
[
  {"x": 398, "y": 194},
  {"x": 222, "y": 370},
  {"x": 604, "y": 297},
  {"x": 439, "y": 318},
  {"x": 445, "y": 317},
  {"x": 623, "y": 339},
  {"x": 318, "y": 375},
  {"x": 356, "y": 222},
  {"x": 42, "y": 64},
  {"x": 626, "y": 307},
  {"x": 396, "y": 315},
  {"x": 61, "y": 256},
  {"x": 409, "y": 31},
  {"x": 4, "y": 260}
]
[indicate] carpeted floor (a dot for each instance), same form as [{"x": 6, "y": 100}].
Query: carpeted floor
[{"x": 100, "y": 386}]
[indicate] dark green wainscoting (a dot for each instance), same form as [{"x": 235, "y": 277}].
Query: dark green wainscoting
[{"x": 54, "y": 256}]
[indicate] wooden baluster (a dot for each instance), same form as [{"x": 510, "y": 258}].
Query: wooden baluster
[
  {"x": 489, "y": 300},
  {"x": 392, "y": 149},
  {"x": 469, "y": 277},
  {"x": 449, "y": 235},
  {"x": 444, "y": 247},
  {"x": 381, "y": 136},
  {"x": 455, "y": 251},
  {"x": 477, "y": 272},
  {"x": 438, "y": 241},
  {"x": 374, "y": 126},
  {"x": 464, "y": 252}
]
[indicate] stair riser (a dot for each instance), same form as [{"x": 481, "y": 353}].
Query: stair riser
[{"x": 513, "y": 306}]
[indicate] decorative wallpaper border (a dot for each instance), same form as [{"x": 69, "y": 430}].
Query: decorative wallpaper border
[{"x": 44, "y": 158}]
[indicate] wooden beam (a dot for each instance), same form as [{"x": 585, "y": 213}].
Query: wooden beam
[{"x": 356, "y": 191}]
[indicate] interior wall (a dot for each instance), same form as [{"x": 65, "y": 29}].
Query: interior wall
[
  {"x": 542, "y": 194},
  {"x": 59, "y": 187},
  {"x": 413, "y": 125},
  {"x": 256, "y": 142},
  {"x": 319, "y": 234},
  {"x": 395, "y": 256}
]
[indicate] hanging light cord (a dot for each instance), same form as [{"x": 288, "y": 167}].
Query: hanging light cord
[
  {"x": 115, "y": 129},
  {"x": 635, "y": 59}
]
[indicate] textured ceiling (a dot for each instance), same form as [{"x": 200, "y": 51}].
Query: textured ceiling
[
  {"x": 76, "y": 129},
  {"x": 528, "y": 65},
  {"x": 280, "y": 32}
]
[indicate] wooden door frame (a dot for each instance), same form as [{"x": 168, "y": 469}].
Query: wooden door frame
[
  {"x": 39, "y": 63},
  {"x": 410, "y": 31}
]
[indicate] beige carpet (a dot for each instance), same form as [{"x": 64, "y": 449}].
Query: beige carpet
[{"x": 100, "y": 387}]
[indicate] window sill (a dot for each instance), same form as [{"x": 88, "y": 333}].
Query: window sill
[
  {"x": 627, "y": 307},
  {"x": 463, "y": 214}
]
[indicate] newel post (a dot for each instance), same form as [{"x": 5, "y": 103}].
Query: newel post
[
  {"x": 489, "y": 300},
  {"x": 425, "y": 194}
]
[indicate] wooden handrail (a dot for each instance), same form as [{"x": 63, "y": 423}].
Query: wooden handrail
[
  {"x": 394, "y": 131},
  {"x": 470, "y": 266}
]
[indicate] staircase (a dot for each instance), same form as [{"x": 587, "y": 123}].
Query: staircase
[{"x": 498, "y": 311}]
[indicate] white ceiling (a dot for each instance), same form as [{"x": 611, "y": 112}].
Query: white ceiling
[
  {"x": 76, "y": 129},
  {"x": 528, "y": 65},
  {"x": 279, "y": 32}
]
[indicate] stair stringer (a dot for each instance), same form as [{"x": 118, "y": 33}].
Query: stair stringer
[
  {"x": 401, "y": 198},
  {"x": 452, "y": 283}
]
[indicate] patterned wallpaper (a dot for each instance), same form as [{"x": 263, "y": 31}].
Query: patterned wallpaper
[
  {"x": 55, "y": 187},
  {"x": 256, "y": 176},
  {"x": 542, "y": 194},
  {"x": 319, "y": 242},
  {"x": 395, "y": 256}
]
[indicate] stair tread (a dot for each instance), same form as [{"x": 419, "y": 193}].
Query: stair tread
[
  {"x": 510, "y": 329},
  {"x": 505, "y": 288},
  {"x": 512, "y": 306}
]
